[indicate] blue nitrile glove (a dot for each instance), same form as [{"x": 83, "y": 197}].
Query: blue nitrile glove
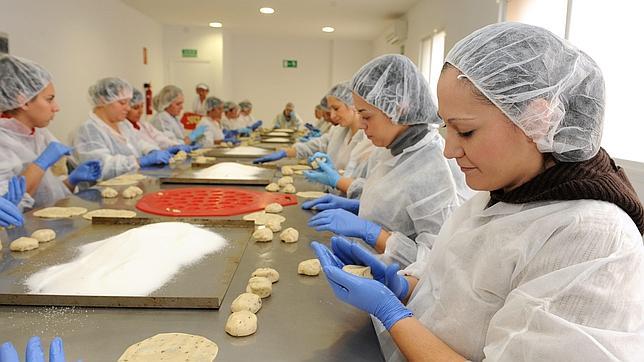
[
  {"x": 196, "y": 146},
  {"x": 230, "y": 133},
  {"x": 303, "y": 139},
  {"x": 176, "y": 148},
  {"x": 196, "y": 133},
  {"x": 322, "y": 155},
  {"x": 16, "y": 189},
  {"x": 314, "y": 134},
  {"x": 10, "y": 214},
  {"x": 155, "y": 158},
  {"x": 275, "y": 156},
  {"x": 232, "y": 139},
  {"x": 366, "y": 294},
  {"x": 325, "y": 174},
  {"x": 51, "y": 154},
  {"x": 86, "y": 171},
  {"x": 33, "y": 351},
  {"x": 345, "y": 223},
  {"x": 352, "y": 253},
  {"x": 309, "y": 126},
  {"x": 256, "y": 125},
  {"x": 244, "y": 131},
  {"x": 329, "y": 201}
]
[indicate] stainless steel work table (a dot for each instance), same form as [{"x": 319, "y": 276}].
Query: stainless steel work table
[{"x": 301, "y": 321}]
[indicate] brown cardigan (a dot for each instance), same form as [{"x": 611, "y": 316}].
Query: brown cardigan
[{"x": 595, "y": 179}]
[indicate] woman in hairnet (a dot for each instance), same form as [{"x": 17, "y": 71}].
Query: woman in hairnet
[
  {"x": 247, "y": 119},
  {"x": 288, "y": 118},
  {"x": 147, "y": 132},
  {"x": 339, "y": 142},
  {"x": 106, "y": 135},
  {"x": 214, "y": 133},
  {"x": 169, "y": 104},
  {"x": 548, "y": 264},
  {"x": 27, "y": 97},
  {"x": 411, "y": 188}
]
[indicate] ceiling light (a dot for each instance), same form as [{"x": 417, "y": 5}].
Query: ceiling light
[
  {"x": 215, "y": 24},
  {"x": 266, "y": 10},
  {"x": 328, "y": 29}
]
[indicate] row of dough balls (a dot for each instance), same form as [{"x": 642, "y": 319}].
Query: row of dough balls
[
  {"x": 284, "y": 184},
  {"x": 243, "y": 321},
  {"x": 26, "y": 243},
  {"x": 129, "y": 193}
]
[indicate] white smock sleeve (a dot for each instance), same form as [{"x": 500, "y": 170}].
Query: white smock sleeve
[{"x": 307, "y": 149}]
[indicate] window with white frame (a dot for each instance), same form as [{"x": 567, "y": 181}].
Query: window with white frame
[{"x": 432, "y": 56}]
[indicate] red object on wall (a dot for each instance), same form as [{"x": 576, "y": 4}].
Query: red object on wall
[
  {"x": 209, "y": 201},
  {"x": 148, "y": 98}
]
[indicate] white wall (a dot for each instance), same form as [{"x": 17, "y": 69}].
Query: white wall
[
  {"x": 457, "y": 17},
  {"x": 206, "y": 68},
  {"x": 80, "y": 42},
  {"x": 253, "y": 65}
]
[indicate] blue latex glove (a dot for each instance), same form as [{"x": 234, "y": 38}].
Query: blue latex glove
[
  {"x": 345, "y": 223},
  {"x": 16, "y": 189},
  {"x": 196, "y": 133},
  {"x": 232, "y": 139},
  {"x": 155, "y": 158},
  {"x": 275, "y": 156},
  {"x": 329, "y": 201},
  {"x": 230, "y": 133},
  {"x": 309, "y": 126},
  {"x": 352, "y": 253},
  {"x": 325, "y": 174},
  {"x": 244, "y": 131},
  {"x": 303, "y": 139},
  {"x": 322, "y": 155},
  {"x": 33, "y": 351},
  {"x": 176, "y": 148},
  {"x": 51, "y": 155},
  {"x": 10, "y": 214},
  {"x": 194, "y": 147},
  {"x": 256, "y": 125},
  {"x": 366, "y": 294},
  {"x": 86, "y": 171}
]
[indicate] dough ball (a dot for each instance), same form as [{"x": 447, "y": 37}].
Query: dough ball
[
  {"x": 23, "y": 244},
  {"x": 269, "y": 273},
  {"x": 286, "y": 180},
  {"x": 171, "y": 347},
  {"x": 287, "y": 171},
  {"x": 309, "y": 267},
  {"x": 272, "y": 187},
  {"x": 359, "y": 270},
  {"x": 242, "y": 323},
  {"x": 109, "y": 193},
  {"x": 274, "y": 225},
  {"x": 289, "y": 235},
  {"x": 274, "y": 208},
  {"x": 263, "y": 234},
  {"x": 132, "y": 192},
  {"x": 289, "y": 189},
  {"x": 44, "y": 235},
  {"x": 316, "y": 163},
  {"x": 261, "y": 286},
  {"x": 246, "y": 301}
]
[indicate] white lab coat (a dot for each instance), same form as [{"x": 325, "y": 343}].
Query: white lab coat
[
  {"x": 247, "y": 121},
  {"x": 19, "y": 148},
  {"x": 170, "y": 126},
  {"x": 214, "y": 131},
  {"x": 118, "y": 153},
  {"x": 358, "y": 164},
  {"x": 412, "y": 195},
  {"x": 151, "y": 135},
  {"x": 232, "y": 124},
  {"x": 199, "y": 107},
  {"x": 542, "y": 281},
  {"x": 280, "y": 121},
  {"x": 337, "y": 143}
]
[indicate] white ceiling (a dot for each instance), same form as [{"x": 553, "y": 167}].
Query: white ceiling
[{"x": 352, "y": 19}]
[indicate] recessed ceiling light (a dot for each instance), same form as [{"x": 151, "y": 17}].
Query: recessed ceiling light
[
  {"x": 215, "y": 24},
  {"x": 328, "y": 29},
  {"x": 266, "y": 10}
]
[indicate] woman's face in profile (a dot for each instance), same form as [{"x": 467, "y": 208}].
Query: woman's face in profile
[{"x": 491, "y": 151}]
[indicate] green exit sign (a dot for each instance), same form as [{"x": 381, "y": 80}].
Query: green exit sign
[
  {"x": 289, "y": 63},
  {"x": 189, "y": 53}
]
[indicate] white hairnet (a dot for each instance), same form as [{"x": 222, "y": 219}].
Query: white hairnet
[
  {"x": 137, "y": 97},
  {"x": 547, "y": 87},
  {"x": 109, "y": 90},
  {"x": 342, "y": 92},
  {"x": 393, "y": 84},
  {"x": 20, "y": 81},
  {"x": 245, "y": 105},
  {"x": 212, "y": 103},
  {"x": 202, "y": 86},
  {"x": 166, "y": 96},
  {"x": 230, "y": 105}
]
